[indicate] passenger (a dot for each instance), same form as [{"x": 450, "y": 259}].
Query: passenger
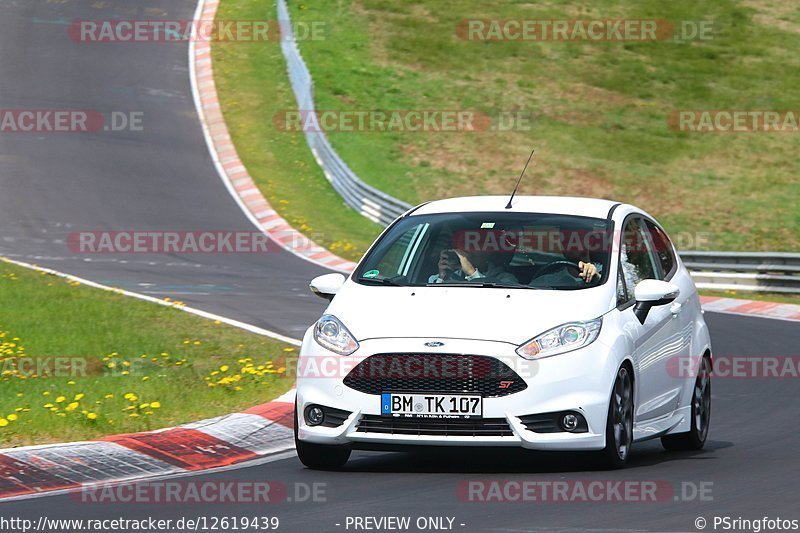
[{"x": 477, "y": 265}]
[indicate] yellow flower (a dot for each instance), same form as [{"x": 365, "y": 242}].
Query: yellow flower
[
  {"x": 144, "y": 406},
  {"x": 48, "y": 405},
  {"x": 108, "y": 396},
  {"x": 79, "y": 396},
  {"x": 71, "y": 407},
  {"x": 155, "y": 405},
  {"x": 224, "y": 368},
  {"x": 91, "y": 416},
  {"x": 12, "y": 417},
  {"x": 60, "y": 399},
  {"x": 46, "y": 393},
  {"x": 3, "y": 422},
  {"x": 145, "y": 378}
]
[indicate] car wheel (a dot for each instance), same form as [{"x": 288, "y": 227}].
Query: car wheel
[
  {"x": 695, "y": 438},
  {"x": 619, "y": 424},
  {"x": 319, "y": 456}
]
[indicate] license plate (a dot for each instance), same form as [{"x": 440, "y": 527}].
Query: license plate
[{"x": 431, "y": 405}]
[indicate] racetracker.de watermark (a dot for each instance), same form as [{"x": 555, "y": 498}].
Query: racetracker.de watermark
[
  {"x": 737, "y": 366},
  {"x": 181, "y": 31},
  {"x": 202, "y": 492},
  {"x": 66, "y": 366},
  {"x": 588, "y": 30},
  {"x": 170, "y": 242},
  {"x": 735, "y": 121},
  {"x": 69, "y": 121},
  {"x": 402, "y": 121},
  {"x": 582, "y": 490}
]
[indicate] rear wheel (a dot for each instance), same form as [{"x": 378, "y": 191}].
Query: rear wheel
[
  {"x": 619, "y": 424},
  {"x": 319, "y": 456},
  {"x": 695, "y": 438}
]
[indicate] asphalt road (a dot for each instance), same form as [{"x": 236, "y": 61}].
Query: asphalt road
[
  {"x": 158, "y": 179},
  {"x": 748, "y": 469},
  {"x": 162, "y": 178}
]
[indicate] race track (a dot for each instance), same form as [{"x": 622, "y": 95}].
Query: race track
[{"x": 162, "y": 178}]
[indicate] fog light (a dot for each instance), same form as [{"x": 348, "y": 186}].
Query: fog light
[
  {"x": 569, "y": 422},
  {"x": 314, "y": 415}
]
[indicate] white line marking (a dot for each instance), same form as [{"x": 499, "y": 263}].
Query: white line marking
[{"x": 199, "y": 312}]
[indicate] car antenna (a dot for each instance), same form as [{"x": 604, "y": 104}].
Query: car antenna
[{"x": 508, "y": 206}]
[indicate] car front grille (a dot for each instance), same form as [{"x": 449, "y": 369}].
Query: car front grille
[
  {"x": 434, "y": 373},
  {"x": 483, "y": 427}
]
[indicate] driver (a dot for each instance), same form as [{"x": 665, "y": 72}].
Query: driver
[{"x": 582, "y": 271}]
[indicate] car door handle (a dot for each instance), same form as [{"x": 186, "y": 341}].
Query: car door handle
[{"x": 675, "y": 308}]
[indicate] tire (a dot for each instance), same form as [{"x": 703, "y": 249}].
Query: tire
[
  {"x": 619, "y": 423},
  {"x": 319, "y": 456},
  {"x": 695, "y": 438}
]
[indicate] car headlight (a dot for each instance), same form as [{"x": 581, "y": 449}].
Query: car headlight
[
  {"x": 562, "y": 339},
  {"x": 330, "y": 333}
]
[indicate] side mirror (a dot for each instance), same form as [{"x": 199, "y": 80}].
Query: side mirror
[
  {"x": 651, "y": 293},
  {"x": 326, "y": 286}
]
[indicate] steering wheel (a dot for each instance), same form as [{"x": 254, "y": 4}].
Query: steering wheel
[{"x": 553, "y": 265}]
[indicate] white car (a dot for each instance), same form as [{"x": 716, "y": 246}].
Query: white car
[{"x": 553, "y": 324}]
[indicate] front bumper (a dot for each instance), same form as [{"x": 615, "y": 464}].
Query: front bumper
[{"x": 578, "y": 381}]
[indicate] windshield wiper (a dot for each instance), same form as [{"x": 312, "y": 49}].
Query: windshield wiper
[
  {"x": 482, "y": 284},
  {"x": 379, "y": 281}
]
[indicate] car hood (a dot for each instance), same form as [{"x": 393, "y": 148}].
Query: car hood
[{"x": 505, "y": 315}]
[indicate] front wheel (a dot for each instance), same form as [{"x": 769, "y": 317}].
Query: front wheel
[
  {"x": 319, "y": 456},
  {"x": 619, "y": 424},
  {"x": 695, "y": 438}
]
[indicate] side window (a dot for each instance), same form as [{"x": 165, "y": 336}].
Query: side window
[
  {"x": 636, "y": 260},
  {"x": 662, "y": 249}
]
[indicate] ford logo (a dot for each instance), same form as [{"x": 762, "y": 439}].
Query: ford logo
[{"x": 434, "y": 344}]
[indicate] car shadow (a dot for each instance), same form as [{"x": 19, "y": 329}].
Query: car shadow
[{"x": 515, "y": 460}]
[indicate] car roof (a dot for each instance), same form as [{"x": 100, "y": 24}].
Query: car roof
[{"x": 588, "y": 207}]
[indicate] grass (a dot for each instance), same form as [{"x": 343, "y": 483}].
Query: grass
[
  {"x": 253, "y": 86},
  {"x": 600, "y": 112},
  {"x": 760, "y": 296},
  {"x": 111, "y": 364}
]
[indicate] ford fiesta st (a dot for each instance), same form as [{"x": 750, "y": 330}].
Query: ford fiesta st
[{"x": 548, "y": 323}]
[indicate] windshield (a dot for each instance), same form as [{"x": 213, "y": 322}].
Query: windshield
[{"x": 517, "y": 250}]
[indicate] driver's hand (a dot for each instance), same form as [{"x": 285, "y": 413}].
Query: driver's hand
[
  {"x": 587, "y": 271},
  {"x": 466, "y": 266}
]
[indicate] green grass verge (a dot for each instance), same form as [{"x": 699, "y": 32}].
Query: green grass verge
[
  {"x": 253, "y": 85},
  {"x": 760, "y": 296},
  {"x": 601, "y": 108},
  {"x": 124, "y": 365}
]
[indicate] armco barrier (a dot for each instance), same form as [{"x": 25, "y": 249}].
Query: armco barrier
[
  {"x": 369, "y": 201},
  {"x": 745, "y": 271}
]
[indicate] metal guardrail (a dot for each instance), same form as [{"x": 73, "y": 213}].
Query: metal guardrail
[
  {"x": 758, "y": 272},
  {"x": 367, "y": 200},
  {"x": 745, "y": 271}
]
